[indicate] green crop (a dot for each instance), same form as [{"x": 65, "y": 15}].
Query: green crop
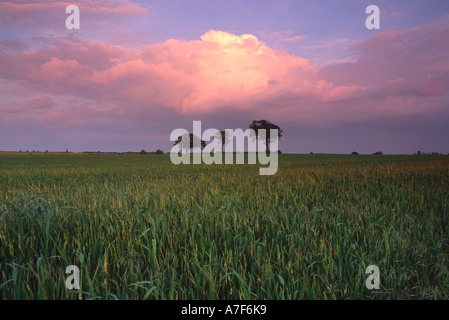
[{"x": 139, "y": 227}]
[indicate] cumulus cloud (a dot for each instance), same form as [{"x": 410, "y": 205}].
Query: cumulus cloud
[
  {"x": 221, "y": 70},
  {"x": 392, "y": 73}
]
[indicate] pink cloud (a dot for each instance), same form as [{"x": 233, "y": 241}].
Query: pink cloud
[
  {"x": 41, "y": 103},
  {"x": 217, "y": 71},
  {"x": 392, "y": 73},
  {"x": 397, "y": 14},
  {"x": 57, "y": 70},
  {"x": 294, "y": 39},
  {"x": 411, "y": 62},
  {"x": 283, "y": 36},
  {"x": 50, "y": 15},
  {"x": 21, "y": 10},
  {"x": 344, "y": 93}
]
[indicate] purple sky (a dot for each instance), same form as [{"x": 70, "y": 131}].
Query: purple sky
[{"x": 136, "y": 70}]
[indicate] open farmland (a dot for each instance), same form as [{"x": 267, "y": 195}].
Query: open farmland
[{"x": 139, "y": 227}]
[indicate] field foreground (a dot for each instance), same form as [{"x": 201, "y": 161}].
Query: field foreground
[{"x": 139, "y": 227}]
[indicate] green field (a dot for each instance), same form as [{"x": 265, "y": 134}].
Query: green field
[{"x": 139, "y": 227}]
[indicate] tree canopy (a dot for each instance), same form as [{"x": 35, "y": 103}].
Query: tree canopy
[
  {"x": 188, "y": 141},
  {"x": 257, "y": 125}
]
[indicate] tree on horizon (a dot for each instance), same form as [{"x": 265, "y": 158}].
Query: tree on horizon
[
  {"x": 224, "y": 139},
  {"x": 188, "y": 141},
  {"x": 257, "y": 125}
]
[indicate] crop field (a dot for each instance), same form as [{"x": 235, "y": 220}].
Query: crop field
[{"x": 139, "y": 227}]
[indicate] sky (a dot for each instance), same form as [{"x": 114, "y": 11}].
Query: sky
[{"x": 137, "y": 70}]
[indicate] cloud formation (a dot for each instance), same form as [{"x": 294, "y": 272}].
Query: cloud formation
[
  {"x": 222, "y": 70},
  {"x": 78, "y": 83},
  {"x": 23, "y": 10},
  {"x": 26, "y": 19}
]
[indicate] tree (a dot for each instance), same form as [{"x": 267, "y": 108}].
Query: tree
[
  {"x": 224, "y": 139},
  {"x": 188, "y": 143},
  {"x": 257, "y": 125}
]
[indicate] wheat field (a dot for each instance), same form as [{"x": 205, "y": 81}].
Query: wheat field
[{"x": 139, "y": 227}]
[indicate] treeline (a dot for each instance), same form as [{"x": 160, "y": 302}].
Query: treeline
[
  {"x": 420, "y": 153},
  {"x": 158, "y": 151}
]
